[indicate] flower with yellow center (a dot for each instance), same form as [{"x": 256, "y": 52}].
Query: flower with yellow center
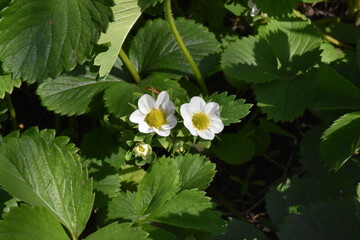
[
  {"x": 155, "y": 116},
  {"x": 142, "y": 150},
  {"x": 201, "y": 118}
]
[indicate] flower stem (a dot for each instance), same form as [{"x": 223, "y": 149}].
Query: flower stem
[
  {"x": 129, "y": 65},
  {"x": 183, "y": 48},
  {"x": 12, "y": 111}
]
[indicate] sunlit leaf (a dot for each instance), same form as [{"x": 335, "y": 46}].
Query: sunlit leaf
[
  {"x": 122, "y": 231},
  {"x": 38, "y": 38}
]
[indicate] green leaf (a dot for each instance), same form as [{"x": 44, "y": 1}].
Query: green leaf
[
  {"x": 288, "y": 198},
  {"x": 250, "y": 60},
  {"x": 118, "y": 96},
  {"x": 158, "y": 82},
  {"x": 25, "y": 222},
  {"x": 276, "y": 7},
  {"x": 231, "y": 110},
  {"x": 7, "y": 84},
  {"x": 126, "y": 12},
  {"x": 287, "y": 99},
  {"x": 330, "y": 220},
  {"x": 234, "y": 148},
  {"x": 341, "y": 140},
  {"x": 336, "y": 92},
  {"x": 154, "y": 48},
  {"x": 38, "y": 39},
  {"x": 156, "y": 233},
  {"x": 330, "y": 53},
  {"x": 116, "y": 231},
  {"x": 70, "y": 95},
  {"x": 238, "y": 230},
  {"x": 157, "y": 187},
  {"x": 123, "y": 206},
  {"x": 109, "y": 185},
  {"x": 147, "y": 3},
  {"x": 46, "y": 171},
  {"x": 190, "y": 209},
  {"x": 196, "y": 171}
]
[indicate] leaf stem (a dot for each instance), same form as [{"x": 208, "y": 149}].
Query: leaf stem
[
  {"x": 12, "y": 111},
  {"x": 183, "y": 48},
  {"x": 129, "y": 65}
]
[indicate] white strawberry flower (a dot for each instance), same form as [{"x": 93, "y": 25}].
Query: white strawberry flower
[
  {"x": 201, "y": 118},
  {"x": 155, "y": 116}
]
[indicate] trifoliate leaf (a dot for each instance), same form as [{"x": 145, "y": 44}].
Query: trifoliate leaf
[
  {"x": 231, "y": 110},
  {"x": 122, "y": 231},
  {"x": 239, "y": 230},
  {"x": 295, "y": 43},
  {"x": 45, "y": 171},
  {"x": 276, "y": 7},
  {"x": 157, "y": 187},
  {"x": 234, "y": 148},
  {"x": 196, "y": 171},
  {"x": 70, "y": 95},
  {"x": 157, "y": 82},
  {"x": 329, "y": 220},
  {"x": 125, "y": 15},
  {"x": 38, "y": 39},
  {"x": 118, "y": 96},
  {"x": 7, "y": 84},
  {"x": 190, "y": 209},
  {"x": 156, "y": 233},
  {"x": 25, "y": 222},
  {"x": 341, "y": 140},
  {"x": 289, "y": 197},
  {"x": 250, "y": 60},
  {"x": 285, "y": 100},
  {"x": 154, "y": 48}
]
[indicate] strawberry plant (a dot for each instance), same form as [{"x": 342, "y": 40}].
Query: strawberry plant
[{"x": 168, "y": 119}]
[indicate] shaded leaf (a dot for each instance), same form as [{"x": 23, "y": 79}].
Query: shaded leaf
[
  {"x": 126, "y": 12},
  {"x": 276, "y": 7},
  {"x": 25, "y": 222},
  {"x": 46, "y": 171},
  {"x": 330, "y": 220},
  {"x": 147, "y": 3},
  {"x": 38, "y": 39},
  {"x": 156, "y": 233},
  {"x": 341, "y": 140},
  {"x": 286, "y": 100},
  {"x": 118, "y": 96},
  {"x": 123, "y": 206},
  {"x": 122, "y": 231}
]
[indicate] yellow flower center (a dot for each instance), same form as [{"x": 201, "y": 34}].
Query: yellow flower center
[
  {"x": 155, "y": 118},
  {"x": 200, "y": 121}
]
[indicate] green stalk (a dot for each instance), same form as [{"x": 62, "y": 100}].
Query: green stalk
[
  {"x": 12, "y": 111},
  {"x": 183, "y": 48},
  {"x": 129, "y": 65}
]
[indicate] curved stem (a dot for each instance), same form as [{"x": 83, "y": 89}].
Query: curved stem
[
  {"x": 129, "y": 65},
  {"x": 183, "y": 48},
  {"x": 12, "y": 111}
]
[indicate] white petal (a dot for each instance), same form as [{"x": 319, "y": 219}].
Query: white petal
[
  {"x": 206, "y": 134},
  {"x": 185, "y": 111},
  {"x": 197, "y": 104},
  {"x": 145, "y": 128},
  {"x": 211, "y": 107},
  {"x": 188, "y": 124},
  {"x": 162, "y": 132},
  {"x": 137, "y": 117},
  {"x": 216, "y": 126},
  {"x": 171, "y": 122},
  {"x": 161, "y": 100},
  {"x": 146, "y": 103},
  {"x": 168, "y": 108}
]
